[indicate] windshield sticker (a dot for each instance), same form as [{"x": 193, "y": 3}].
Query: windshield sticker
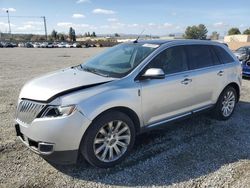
[{"x": 151, "y": 45}]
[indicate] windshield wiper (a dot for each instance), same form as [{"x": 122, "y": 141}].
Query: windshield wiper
[{"x": 93, "y": 70}]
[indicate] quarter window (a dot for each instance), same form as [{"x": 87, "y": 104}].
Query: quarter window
[
  {"x": 223, "y": 55},
  {"x": 171, "y": 60}
]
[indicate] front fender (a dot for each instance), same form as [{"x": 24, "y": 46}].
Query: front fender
[{"x": 119, "y": 97}]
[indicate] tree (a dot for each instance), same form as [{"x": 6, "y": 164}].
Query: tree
[
  {"x": 234, "y": 31},
  {"x": 93, "y": 34},
  {"x": 72, "y": 34},
  {"x": 247, "y": 32},
  {"x": 196, "y": 32},
  {"x": 61, "y": 37},
  {"x": 215, "y": 35},
  {"x": 54, "y": 35},
  {"x": 117, "y": 35}
]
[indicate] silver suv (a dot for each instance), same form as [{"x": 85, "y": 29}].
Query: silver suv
[{"x": 96, "y": 109}]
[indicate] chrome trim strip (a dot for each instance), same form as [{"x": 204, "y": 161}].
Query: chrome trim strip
[
  {"x": 203, "y": 108},
  {"x": 168, "y": 120},
  {"x": 180, "y": 116}
]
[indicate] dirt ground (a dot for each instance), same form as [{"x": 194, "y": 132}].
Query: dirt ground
[{"x": 198, "y": 152}]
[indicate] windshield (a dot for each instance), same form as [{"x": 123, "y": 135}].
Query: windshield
[
  {"x": 242, "y": 50},
  {"x": 120, "y": 60}
]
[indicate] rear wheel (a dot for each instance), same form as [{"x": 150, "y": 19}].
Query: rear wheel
[
  {"x": 108, "y": 140},
  {"x": 226, "y": 104}
]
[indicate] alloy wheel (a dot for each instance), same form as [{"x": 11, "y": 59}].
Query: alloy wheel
[
  {"x": 112, "y": 141},
  {"x": 228, "y": 103}
]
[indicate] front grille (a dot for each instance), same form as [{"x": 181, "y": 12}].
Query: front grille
[{"x": 27, "y": 111}]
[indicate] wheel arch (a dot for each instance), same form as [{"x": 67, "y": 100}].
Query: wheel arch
[
  {"x": 129, "y": 112},
  {"x": 236, "y": 87}
]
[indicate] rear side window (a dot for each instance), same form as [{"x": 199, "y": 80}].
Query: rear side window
[
  {"x": 199, "y": 56},
  {"x": 223, "y": 55}
]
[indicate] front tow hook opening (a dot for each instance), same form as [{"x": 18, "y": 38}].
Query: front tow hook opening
[{"x": 45, "y": 148}]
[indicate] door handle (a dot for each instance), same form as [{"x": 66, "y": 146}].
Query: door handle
[
  {"x": 220, "y": 73},
  {"x": 186, "y": 81}
]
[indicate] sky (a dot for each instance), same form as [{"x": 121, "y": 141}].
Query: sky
[{"x": 156, "y": 17}]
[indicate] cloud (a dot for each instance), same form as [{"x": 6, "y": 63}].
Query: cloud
[
  {"x": 66, "y": 25},
  {"x": 5, "y": 25},
  {"x": 151, "y": 24},
  {"x": 112, "y": 20},
  {"x": 168, "y": 25},
  {"x": 9, "y": 9},
  {"x": 30, "y": 27},
  {"x": 103, "y": 11},
  {"x": 34, "y": 23},
  {"x": 220, "y": 25},
  {"x": 173, "y": 13},
  {"x": 133, "y": 25},
  {"x": 83, "y": 1},
  {"x": 78, "y": 16}
]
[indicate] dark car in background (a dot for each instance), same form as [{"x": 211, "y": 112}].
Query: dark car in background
[{"x": 243, "y": 53}]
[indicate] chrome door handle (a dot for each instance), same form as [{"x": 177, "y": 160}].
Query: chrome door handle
[
  {"x": 186, "y": 81},
  {"x": 220, "y": 73}
]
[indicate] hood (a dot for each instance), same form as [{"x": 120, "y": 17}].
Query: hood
[{"x": 47, "y": 87}]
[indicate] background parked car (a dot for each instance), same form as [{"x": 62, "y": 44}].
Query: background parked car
[
  {"x": 243, "y": 53},
  {"x": 36, "y": 45},
  {"x": 69, "y": 45},
  {"x": 44, "y": 45},
  {"x": 50, "y": 45},
  {"x": 8, "y": 45},
  {"x": 62, "y": 45},
  {"x": 28, "y": 45},
  {"x": 77, "y": 45}
]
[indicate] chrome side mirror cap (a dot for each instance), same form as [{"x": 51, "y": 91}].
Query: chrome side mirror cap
[{"x": 154, "y": 73}]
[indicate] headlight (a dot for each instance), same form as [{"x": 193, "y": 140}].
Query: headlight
[{"x": 58, "y": 111}]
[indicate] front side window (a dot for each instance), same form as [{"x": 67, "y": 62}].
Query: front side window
[
  {"x": 120, "y": 60},
  {"x": 171, "y": 60}
]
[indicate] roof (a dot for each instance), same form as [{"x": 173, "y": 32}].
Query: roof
[{"x": 160, "y": 42}]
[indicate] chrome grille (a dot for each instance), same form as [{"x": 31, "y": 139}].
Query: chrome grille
[{"x": 27, "y": 111}]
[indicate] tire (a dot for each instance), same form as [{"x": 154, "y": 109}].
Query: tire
[
  {"x": 220, "y": 112},
  {"x": 98, "y": 140}
]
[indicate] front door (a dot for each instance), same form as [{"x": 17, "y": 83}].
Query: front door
[{"x": 168, "y": 97}]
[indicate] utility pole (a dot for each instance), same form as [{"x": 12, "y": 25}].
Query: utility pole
[
  {"x": 45, "y": 27},
  {"x": 7, "y": 11}
]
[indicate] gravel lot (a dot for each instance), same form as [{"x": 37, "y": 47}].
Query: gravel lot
[{"x": 198, "y": 152}]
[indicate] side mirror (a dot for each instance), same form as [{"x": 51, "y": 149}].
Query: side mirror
[{"x": 153, "y": 73}]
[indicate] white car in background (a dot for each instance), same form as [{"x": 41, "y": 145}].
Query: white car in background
[
  {"x": 44, "y": 45},
  {"x": 36, "y": 45},
  {"x": 68, "y": 45},
  {"x": 62, "y": 45}
]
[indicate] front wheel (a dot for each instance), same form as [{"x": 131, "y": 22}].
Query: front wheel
[
  {"x": 226, "y": 104},
  {"x": 108, "y": 139}
]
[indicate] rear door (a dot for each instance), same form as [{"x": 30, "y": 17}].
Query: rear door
[{"x": 207, "y": 74}]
